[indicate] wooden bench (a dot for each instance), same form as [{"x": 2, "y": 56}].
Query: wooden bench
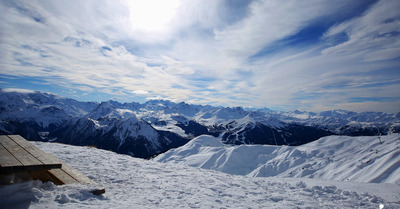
[{"x": 20, "y": 156}]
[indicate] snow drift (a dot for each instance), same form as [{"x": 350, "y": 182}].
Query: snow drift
[{"x": 360, "y": 159}]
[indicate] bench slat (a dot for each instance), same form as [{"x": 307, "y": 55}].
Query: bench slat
[
  {"x": 7, "y": 160},
  {"x": 69, "y": 175},
  {"x": 19, "y": 153},
  {"x": 78, "y": 176},
  {"x": 47, "y": 160},
  {"x": 62, "y": 176}
]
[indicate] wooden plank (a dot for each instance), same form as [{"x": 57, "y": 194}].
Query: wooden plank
[
  {"x": 25, "y": 155},
  {"x": 69, "y": 175},
  {"x": 44, "y": 176},
  {"x": 48, "y": 161},
  {"x": 62, "y": 176},
  {"x": 77, "y": 176},
  {"x": 19, "y": 153},
  {"x": 7, "y": 161},
  {"x": 3, "y": 138}
]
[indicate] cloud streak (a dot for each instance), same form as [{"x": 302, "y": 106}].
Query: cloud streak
[{"x": 292, "y": 55}]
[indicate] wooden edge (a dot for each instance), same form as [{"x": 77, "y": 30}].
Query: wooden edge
[
  {"x": 45, "y": 176},
  {"x": 22, "y": 168},
  {"x": 63, "y": 177},
  {"x": 77, "y": 176}
]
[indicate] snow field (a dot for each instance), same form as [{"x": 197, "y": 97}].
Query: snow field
[
  {"x": 138, "y": 183},
  {"x": 344, "y": 158}
]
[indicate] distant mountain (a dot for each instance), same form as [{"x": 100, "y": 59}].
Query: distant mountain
[
  {"x": 31, "y": 114},
  {"x": 111, "y": 128},
  {"x": 143, "y": 130},
  {"x": 344, "y": 122}
]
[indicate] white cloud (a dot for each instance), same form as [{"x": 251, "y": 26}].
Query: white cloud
[
  {"x": 26, "y": 91},
  {"x": 140, "y": 92},
  {"x": 203, "y": 57},
  {"x": 270, "y": 21},
  {"x": 370, "y": 37}
]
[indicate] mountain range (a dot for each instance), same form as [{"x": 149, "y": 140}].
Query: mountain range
[{"x": 156, "y": 126}]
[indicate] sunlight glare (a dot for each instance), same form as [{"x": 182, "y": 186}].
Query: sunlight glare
[{"x": 152, "y": 15}]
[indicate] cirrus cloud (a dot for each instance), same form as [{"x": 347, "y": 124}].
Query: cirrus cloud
[{"x": 310, "y": 55}]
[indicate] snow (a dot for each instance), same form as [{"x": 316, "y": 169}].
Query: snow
[
  {"x": 171, "y": 128},
  {"x": 138, "y": 183},
  {"x": 125, "y": 112},
  {"x": 344, "y": 158}
]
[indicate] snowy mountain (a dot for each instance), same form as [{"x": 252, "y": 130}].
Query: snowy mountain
[
  {"x": 156, "y": 126},
  {"x": 343, "y": 122},
  {"x": 369, "y": 159},
  {"x": 111, "y": 128},
  {"x": 137, "y": 183},
  {"x": 30, "y": 114},
  {"x": 25, "y": 105}
]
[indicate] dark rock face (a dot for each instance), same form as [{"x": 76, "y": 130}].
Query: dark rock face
[
  {"x": 261, "y": 134},
  {"x": 196, "y": 129},
  {"x": 113, "y": 138},
  {"x": 29, "y": 129}
]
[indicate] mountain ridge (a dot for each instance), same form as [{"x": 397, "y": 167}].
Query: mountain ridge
[{"x": 143, "y": 130}]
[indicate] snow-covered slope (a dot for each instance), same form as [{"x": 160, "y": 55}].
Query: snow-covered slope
[
  {"x": 137, "y": 183},
  {"x": 360, "y": 159}
]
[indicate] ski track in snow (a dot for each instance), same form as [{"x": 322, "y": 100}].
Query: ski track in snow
[{"x": 138, "y": 183}]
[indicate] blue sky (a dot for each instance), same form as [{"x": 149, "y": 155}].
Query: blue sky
[{"x": 310, "y": 55}]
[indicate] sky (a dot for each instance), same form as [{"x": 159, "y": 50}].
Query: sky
[{"x": 312, "y": 55}]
